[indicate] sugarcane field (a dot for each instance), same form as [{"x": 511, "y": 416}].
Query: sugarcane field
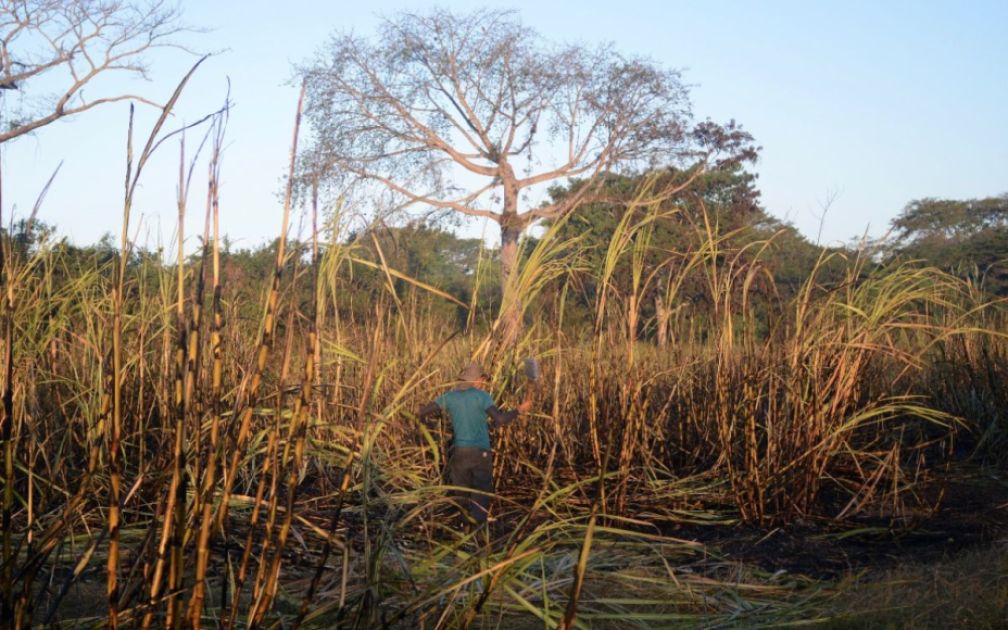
[{"x": 653, "y": 315}]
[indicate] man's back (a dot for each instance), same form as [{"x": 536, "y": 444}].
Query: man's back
[{"x": 468, "y": 410}]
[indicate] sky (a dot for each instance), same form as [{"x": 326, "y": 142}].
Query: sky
[{"x": 860, "y": 107}]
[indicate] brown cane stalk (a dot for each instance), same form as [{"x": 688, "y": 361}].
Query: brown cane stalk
[
  {"x": 292, "y": 463},
  {"x": 175, "y": 519},
  {"x": 268, "y": 330},
  {"x": 115, "y": 431},
  {"x": 7, "y": 421},
  {"x": 268, "y": 465},
  {"x": 112, "y": 585},
  {"x": 298, "y": 429},
  {"x": 276, "y": 470},
  {"x": 265, "y": 346},
  {"x": 209, "y": 477}
]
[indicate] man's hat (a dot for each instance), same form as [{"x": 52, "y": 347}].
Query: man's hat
[{"x": 471, "y": 373}]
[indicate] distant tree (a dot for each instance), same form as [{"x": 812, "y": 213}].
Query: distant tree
[
  {"x": 471, "y": 113},
  {"x": 967, "y": 237},
  {"x": 725, "y": 200},
  {"x": 27, "y": 235},
  {"x": 430, "y": 255},
  {"x": 728, "y": 196},
  {"x": 75, "y": 44},
  {"x": 949, "y": 219}
]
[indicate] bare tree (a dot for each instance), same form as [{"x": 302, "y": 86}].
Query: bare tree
[
  {"x": 70, "y": 44},
  {"x": 475, "y": 113}
]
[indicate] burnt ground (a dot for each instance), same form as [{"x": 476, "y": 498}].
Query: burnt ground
[
  {"x": 972, "y": 517},
  {"x": 972, "y": 514}
]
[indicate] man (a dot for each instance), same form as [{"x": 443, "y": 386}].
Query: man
[{"x": 471, "y": 464}]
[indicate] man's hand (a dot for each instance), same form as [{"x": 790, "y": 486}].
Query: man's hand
[{"x": 525, "y": 406}]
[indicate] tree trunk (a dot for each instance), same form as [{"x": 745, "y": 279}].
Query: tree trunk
[
  {"x": 511, "y": 308},
  {"x": 511, "y": 229},
  {"x": 663, "y": 314}
]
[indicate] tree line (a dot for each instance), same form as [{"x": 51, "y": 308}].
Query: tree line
[{"x": 722, "y": 207}]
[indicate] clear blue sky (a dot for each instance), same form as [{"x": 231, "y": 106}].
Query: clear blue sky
[{"x": 870, "y": 103}]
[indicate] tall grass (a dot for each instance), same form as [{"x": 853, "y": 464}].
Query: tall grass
[{"x": 217, "y": 484}]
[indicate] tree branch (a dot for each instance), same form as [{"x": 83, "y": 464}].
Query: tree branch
[{"x": 86, "y": 39}]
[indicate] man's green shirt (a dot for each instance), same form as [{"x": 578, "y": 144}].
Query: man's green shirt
[{"x": 468, "y": 411}]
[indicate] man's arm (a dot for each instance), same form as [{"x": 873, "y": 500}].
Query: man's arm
[
  {"x": 428, "y": 410},
  {"x": 503, "y": 418}
]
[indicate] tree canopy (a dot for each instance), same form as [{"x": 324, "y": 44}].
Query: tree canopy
[
  {"x": 968, "y": 237},
  {"x": 928, "y": 219},
  {"x": 438, "y": 95},
  {"x": 473, "y": 113}
]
